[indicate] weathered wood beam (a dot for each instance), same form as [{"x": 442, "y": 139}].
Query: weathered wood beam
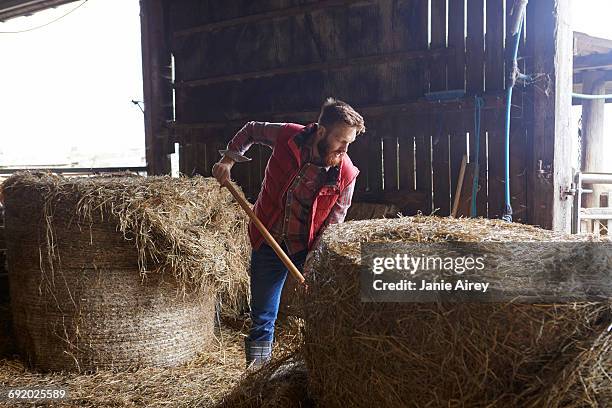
[
  {"x": 418, "y": 107},
  {"x": 594, "y": 157},
  {"x": 286, "y": 12},
  {"x": 579, "y": 76},
  {"x": 323, "y": 66},
  {"x": 156, "y": 61},
  {"x": 593, "y": 62},
  {"x": 585, "y": 44},
  {"x": 550, "y": 172}
]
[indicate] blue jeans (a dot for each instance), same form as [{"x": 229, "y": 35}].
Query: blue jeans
[{"x": 268, "y": 274}]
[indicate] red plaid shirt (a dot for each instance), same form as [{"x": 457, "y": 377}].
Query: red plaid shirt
[{"x": 293, "y": 226}]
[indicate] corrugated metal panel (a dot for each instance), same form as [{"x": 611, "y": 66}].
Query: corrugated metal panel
[{"x": 17, "y": 8}]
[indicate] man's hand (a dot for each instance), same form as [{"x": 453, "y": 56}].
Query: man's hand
[{"x": 222, "y": 170}]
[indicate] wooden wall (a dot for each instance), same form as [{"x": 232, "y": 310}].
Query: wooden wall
[
  {"x": 276, "y": 60},
  {"x": 3, "y": 266}
]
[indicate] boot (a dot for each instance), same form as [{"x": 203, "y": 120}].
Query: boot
[{"x": 257, "y": 353}]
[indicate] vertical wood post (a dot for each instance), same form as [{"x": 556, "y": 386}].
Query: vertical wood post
[
  {"x": 157, "y": 87},
  {"x": 552, "y": 45},
  {"x": 593, "y": 154}
]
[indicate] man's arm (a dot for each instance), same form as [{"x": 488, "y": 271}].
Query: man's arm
[
  {"x": 253, "y": 132},
  {"x": 264, "y": 133},
  {"x": 338, "y": 212}
]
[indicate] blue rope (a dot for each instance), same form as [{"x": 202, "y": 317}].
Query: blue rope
[
  {"x": 478, "y": 102},
  {"x": 507, "y": 214}
]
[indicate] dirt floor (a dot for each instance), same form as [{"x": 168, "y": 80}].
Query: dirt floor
[{"x": 201, "y": 383}]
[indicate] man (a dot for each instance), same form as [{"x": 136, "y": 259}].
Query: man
[{"x": 308, "y": 185}]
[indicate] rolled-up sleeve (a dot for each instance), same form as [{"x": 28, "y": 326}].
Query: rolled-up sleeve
[
  {"x": 252, "y": 132},
  {"x": 339, "y": 210}
]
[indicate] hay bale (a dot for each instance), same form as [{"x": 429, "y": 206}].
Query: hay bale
[
  {"x": 446, "y": 354},
  {"x": 200, "y": 383},
  {"x": 370, "y": 211},
  {"x": 357, "y": 211},
  {"x": 120, "y": 271}
]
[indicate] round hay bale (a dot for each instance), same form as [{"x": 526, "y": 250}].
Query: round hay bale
[
  {"x": 117, "y": 272},
  {"x": 357, "y": 211},
  {"x": 364, "y": 354}
]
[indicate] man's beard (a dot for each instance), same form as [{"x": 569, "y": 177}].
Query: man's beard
[{"x": 328, "y": 158}]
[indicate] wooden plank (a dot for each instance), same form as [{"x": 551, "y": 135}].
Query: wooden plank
[
  {"x": 156, "y": 85},
  {"x": 552, "y": 53},
  {"x": 481, "y": 187},
  {"x": 518, "y": 141},
  {"x": 423, "y": 161},
  {"x": 183, "y": 152},
  {"x": 320, "y": 41},
  {"x": 456, "y": 40},
  {"x": 440, "y": 164},
  {"x": 529, "y": 117},
  {"x": 193, "y": 164},
  {"x": 261, "y": 16},
  {"x": 389, "y": 138},
  {"x": 360, "y": 156},
  {"x": 518, "y": 170},
  {"x": 459, "y": 188},
  {"x": 457, "y": 147},
  {"x": 475, "y": 47},
  {"x": 593, "y": 62},
  {"x": 595, "y": 159},
  {"x": 438, "y": 40},
  {"x": 198, "y": 160},
  {"x": 406, "y": 155},
  {"x": 223, "y": 111},
  {"x": 375, "y": 181},
  {"x": 585, "y": 44},
  {"x": 428, "y": 56},
  {"x": 412, "y": 15},
  {"x": 465, "y": 201},
  {"x": 494, "y": 54},
  {"x": 495, "y": 141},
  {"x": 189, "y": 154}
]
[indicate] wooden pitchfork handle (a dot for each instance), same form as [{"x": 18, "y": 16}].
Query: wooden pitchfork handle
[{"x": 268, "y": 237}]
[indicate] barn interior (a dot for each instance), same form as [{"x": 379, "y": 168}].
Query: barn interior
[{"x": 469, "y": 135}]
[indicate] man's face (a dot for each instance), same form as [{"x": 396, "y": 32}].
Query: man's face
[{"x": 334, "y": 143}]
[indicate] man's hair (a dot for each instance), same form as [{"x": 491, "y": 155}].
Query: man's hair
[{"x": 335, "y": 111}]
